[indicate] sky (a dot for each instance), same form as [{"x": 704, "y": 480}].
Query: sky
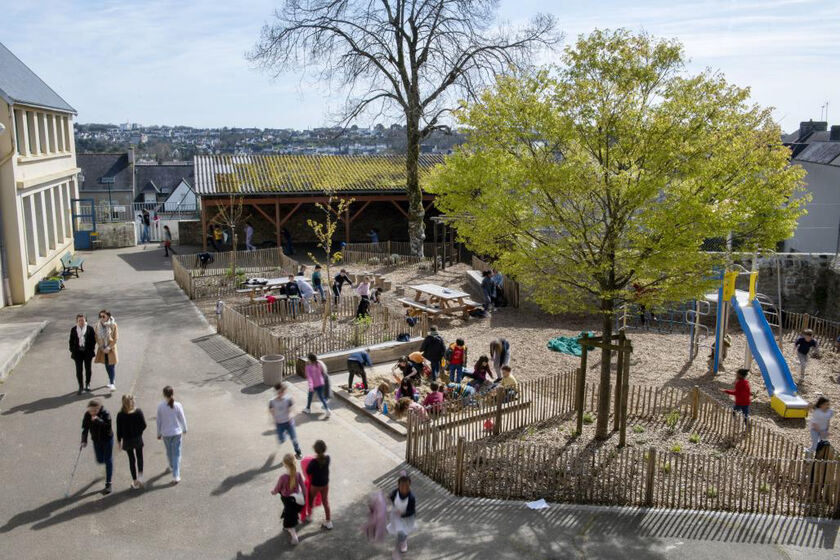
[{"x": 183, "y": 61}]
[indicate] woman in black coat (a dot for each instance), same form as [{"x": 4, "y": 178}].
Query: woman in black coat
[{"x": 82, "y": 349}]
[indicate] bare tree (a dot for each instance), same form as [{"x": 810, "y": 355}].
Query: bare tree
[
  {"x": 230, "y": 216},
  {"x": 415, "y": 58}
]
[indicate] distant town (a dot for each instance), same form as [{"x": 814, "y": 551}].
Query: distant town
[{"x": 158, "y": 144}]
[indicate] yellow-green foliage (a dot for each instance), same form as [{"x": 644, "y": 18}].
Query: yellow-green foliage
[{"x": 613, "y": 170}]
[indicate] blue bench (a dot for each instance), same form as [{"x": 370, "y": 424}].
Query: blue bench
[{"x": 72, "y": 265}]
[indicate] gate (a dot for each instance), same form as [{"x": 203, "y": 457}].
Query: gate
[{"x": 84, "y": 223}]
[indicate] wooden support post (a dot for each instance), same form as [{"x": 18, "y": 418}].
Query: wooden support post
[
  {"x": 625, "y": 390},
  {"x": 203, "y": 226},
  {"x": 435, "y": 256},
  {"x": 695, "y": 402},
  {"x": 497, "y": 425},
  {"x": 277, "y": 224},
  {"x": 651, "y": 472},
  {"x": 347, "y": 225},
  {"x": 619, "y": 373},
  {"x": 459, "y": 467},
  {"x": 580, "y": 386},
  {"x": 443, "y": 248}
]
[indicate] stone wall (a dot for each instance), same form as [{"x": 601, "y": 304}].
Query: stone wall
[
  {"x": 810, "y": 282},
  {"x": 118, "y": 234}
]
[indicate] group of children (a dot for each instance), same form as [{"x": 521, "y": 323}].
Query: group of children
[
  {"x": 821, "y": 413},
  {"x": 305, "y": 485}
]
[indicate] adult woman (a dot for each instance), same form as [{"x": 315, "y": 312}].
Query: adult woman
[
  {"x": 290, "y": 486},
  {"x": 106, "y": 339},
  {"x": 82, "y": 349},
  {"x": 818, "y": 422},
  {"x": 171, "y": 426},
  {"x": 500, "y": 355},
  {"x": 130, "y": 426}
]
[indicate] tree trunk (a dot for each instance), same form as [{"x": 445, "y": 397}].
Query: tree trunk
[
  {"x": 416, "y": 226},
  {"x": 602, "y": 426}
]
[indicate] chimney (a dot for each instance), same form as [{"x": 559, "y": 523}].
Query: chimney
[
  {"x": 806, "y": 128},
  {"x": 834, "y": 135}
]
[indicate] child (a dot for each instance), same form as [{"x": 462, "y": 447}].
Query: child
[
  {"x": 406, "y": 389},
  {"x": 742, "y": 395},
  {"x": 507, "y": 386},
  {"x": 500, "y": 355},
  {"x": 463, "y": 391},
  {"x": 456, "y": 355},
  {"x": 375, "y": 398},
  {"x": 404, "y": 509},
  {"x": 316, "y": 374},
  {"x": 281, "y": 409},
  {"x": 803, "y": 345},
  {"x": 417, "y": 361},
  {"x": 376, "y": 296},
  {"x": 288, "y": 485},
  {"x": 405, "y": 405},
  {"x": 434, "y": 400},
  {"x": 818, "y": 423},
  {"x": 316, "y": 282},
  {"x": 402, "y": 369},
  {"x": 480, "y": 372},
  {"x": 318, "y": 471}
]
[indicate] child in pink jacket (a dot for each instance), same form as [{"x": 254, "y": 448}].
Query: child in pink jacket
[{"x": 316, "y": 371}]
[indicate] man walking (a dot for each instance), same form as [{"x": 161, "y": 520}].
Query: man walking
[
  {"x": 433, "y": 349},
  {"x": 146, "y": 222},
  {"x": 356, "y": 363},
  {"x": 249, "y": 235}
]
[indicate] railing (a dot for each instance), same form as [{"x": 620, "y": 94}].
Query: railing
[
  {"x": 107, "y": 212},
  {"x": 769, "y": 473},
  {"x": 825, "y": 332}
]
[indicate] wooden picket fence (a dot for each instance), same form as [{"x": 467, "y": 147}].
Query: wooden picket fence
[
  {"x": 281, "y": 311},
  {"x": 769, "y": 474},
  {"x": 825, "y": 332},
  {"x": 509, "y": 286},
  {"x": 218, "y": 280},
  {"x": 258, "y": 340},
  {"x": 386, "y": 254}
]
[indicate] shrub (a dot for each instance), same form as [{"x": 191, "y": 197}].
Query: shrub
[
  {"x": 588, "y": 418},
  {"x": 637, "y": 429},
  {"x": 672, "y": 419},
  {"x": 676, "y": 448},
  {"x": 373, "y": 260},
  {"x": 764, "y": 488},
  {"x": 694, "y": 438},
  {"x": 711, "y": 492}
]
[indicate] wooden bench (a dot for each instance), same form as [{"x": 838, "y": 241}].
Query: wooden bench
[
  {"x": 474, "y": 279},
  {"x": 72, "y": 265},
  {"x": 380, "y": 353},
  {"x": 421, "y": 306}
]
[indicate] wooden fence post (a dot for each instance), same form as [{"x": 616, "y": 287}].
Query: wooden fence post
[
  {"x": 695, "y": 401},
  {"x": 459, "y": 467},
  {"x": 580, "y": 387},
  {"x": 651, "y": 472},
  {"x": 805, "y": 320},
  {"x": 497, "y": 425}
]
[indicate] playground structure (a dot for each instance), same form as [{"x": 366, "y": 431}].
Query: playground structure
[{"x": 761, "y": 344}]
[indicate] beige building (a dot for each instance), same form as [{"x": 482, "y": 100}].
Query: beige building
[{"x": 37, "y": 179}]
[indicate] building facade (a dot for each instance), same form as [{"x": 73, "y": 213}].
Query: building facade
[
  {"x": 37, "y": 179},
  {"x": 817, "y": 150}
]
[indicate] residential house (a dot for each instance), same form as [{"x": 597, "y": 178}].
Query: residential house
[
  {"x": 37, "y": 179},
  {"x": 817, "y": 150},
  {"x": 107, "y": 178}
]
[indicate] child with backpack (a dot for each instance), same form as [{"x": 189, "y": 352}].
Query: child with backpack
[{"x": 456, "y": 357}]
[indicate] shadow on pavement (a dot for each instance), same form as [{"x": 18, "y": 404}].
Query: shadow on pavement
[
  {"x": 44, "y": 511},
  {"x": 48, "y": 403},
  {"x": 245, "y": 476},
  {"x": 150, "y": 259}
]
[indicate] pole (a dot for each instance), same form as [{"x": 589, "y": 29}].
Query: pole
[
  {"x": 580, "y": 388},
  {"x": 779, "y": 300},
  {"x": 435, "y": 256}
]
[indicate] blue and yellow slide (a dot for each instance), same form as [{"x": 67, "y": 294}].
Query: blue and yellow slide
[{"x": 784, "y": 396}]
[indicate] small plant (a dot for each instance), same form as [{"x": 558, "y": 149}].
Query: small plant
[
  {"x": 711, "y": 492},
  {"x": 373, "y": 260},
  {"x": 394, "y": 258},
  {"x": 637, "y": 429},
  {"x": 424, "y": 266},
  {"x": 694, "y": 438},
  {"x": 676, "y": 448},
  {"x": 646, "y": 456},
  {"x": 574, "y": 434},
  {"x": 588, "y": 418},
  {"x": 764, "y": 488},
  {"x": 672, "y": 419},
  {"x": 666, "y": 467}
]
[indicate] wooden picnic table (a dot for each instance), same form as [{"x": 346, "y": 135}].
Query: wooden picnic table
[{"x": 438, "y": 300}]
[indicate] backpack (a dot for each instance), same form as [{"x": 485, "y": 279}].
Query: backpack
[
  {"x": 448, "y": 354},
  {"x": 403, "y": 337}
]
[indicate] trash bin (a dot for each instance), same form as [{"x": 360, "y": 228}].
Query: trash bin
[{"x": 272, "y": 368}]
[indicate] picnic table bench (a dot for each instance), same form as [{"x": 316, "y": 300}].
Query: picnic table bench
[
  {"x": 438, "y": 300},
  {"x": 72, "y": 264}
]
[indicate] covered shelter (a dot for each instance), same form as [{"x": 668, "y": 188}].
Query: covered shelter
[{"x": 280, "y": 191}]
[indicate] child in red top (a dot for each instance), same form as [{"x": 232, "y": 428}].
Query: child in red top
[
  {"x": 742, "y": 394},
  {"x": 457, "y": 357},
  {"x": 434, "y": 400}
]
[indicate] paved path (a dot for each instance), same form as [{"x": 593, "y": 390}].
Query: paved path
[{"x": 222, "y": 508}]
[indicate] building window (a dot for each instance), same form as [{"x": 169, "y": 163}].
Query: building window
[
  {"x": 59, "y": 132},
  {"x": 20, "y": 133},
  {"x": 39, "y": 224},
  {"x": 30, "y": 231},
  {"x": 49, "y": 211},
  {"x": 32, "y": 129},
  {"x": 68, "y": 127},
  {"x": 66, "y": 190},
  {"x": 51, "y": 133},
  {"x": 42, "y": 133}
]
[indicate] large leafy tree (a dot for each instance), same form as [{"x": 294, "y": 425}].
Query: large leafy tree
[
  {"x": 598, "y": 182},
  {"x": 412, "y": 58}
]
